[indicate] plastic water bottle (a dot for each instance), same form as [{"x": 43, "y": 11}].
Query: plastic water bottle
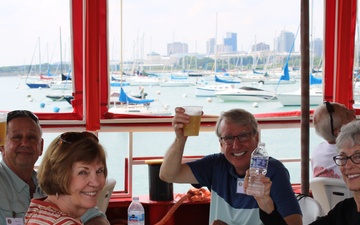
[
  {"x": 136, "y": 212},
  {"x": 258, "y": 167}
]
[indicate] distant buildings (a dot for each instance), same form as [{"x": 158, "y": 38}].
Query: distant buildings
[
  {"x": 260, "y": 47},
  {"x": 229, "y": 44},
  {"x": 284, "y": 42},
  {"x": 231, "y": 41},
  {"x": 177, "y": 48},
  {"x": 318, "y": 47},
  {"x": 210, "y": 46}
]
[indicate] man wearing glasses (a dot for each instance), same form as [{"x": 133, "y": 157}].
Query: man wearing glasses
[
  {"x": 18, "y": 182},
  {"x": 223, "y": 173},
  {"x": 328, "y": 119}
]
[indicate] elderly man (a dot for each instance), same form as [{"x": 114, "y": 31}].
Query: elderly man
[
  {"x": 328, "y": 119},
  {"x": 18, "y": 182},
  {"x": 223, "y": 173}
]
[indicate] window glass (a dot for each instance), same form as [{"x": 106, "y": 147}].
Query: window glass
[
  {"x": 35, "y": 52},
  {"x": 178, "y": 53}
]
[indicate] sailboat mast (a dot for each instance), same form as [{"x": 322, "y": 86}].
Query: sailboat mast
[
  {"x": 312, "y": 37},
  {"x": 215, "y": 50},
  {"x": 39, "y": 56},
  {"x": 121, "y": 43},
  {"x": 61, "y": 66}
]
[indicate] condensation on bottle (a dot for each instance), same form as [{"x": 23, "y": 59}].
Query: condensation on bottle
[
  {"x": 136, "y": 212},
  {"x": 258, "y": 167}
]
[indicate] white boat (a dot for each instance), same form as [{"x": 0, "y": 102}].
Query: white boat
[
  {"x": 210, "y": 90},
  {"x": 61, "y": 85},
  {"x": 142, "y": 81},
  {"x": 179, "y": 75},
  {"x": 252, "y": 78},
  {"x": 176, "y": 83},
  {"x": 133, "y": 105},
  {"x": 226, "y": 78},
  {"x": 140, "y": 109},
  {"x": 284, "y": 77},
  {"x": 294, "y": 98},
  {"x": 276, "y": 81},
  {"x": 246, "y": 94}
]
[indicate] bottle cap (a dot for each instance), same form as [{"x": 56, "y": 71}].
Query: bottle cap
[{"x": 135, "y": 198}]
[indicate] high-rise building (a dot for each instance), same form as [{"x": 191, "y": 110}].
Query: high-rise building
[
  {"x": 224, "y": 49},
  {"x": 231, "y": 40},
  {"x": 285, "y": 42},
  {"x": 260, "y": 47},
  {"x": 318, "y": 47},
  {"x": 210, "y": 46},
  {"x": 177, "y": 48}
]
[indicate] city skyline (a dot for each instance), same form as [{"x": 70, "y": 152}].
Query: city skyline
[{"x": 149, "y": 26}]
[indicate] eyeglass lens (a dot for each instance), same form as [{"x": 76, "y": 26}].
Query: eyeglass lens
[
  {"x": 229, "y": 140},
  {"x": 341, "y": 160}
]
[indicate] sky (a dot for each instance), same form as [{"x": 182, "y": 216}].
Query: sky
[{"x": 148, "y": 26}]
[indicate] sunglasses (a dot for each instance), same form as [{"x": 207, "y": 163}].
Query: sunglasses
[
  {"x": 72, "y": 137},
  {"x": 21, "y": 114},
  {"x": 331, "y": 110}
]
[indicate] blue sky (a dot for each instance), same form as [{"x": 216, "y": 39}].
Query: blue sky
[{"x": 148, "y": 25}]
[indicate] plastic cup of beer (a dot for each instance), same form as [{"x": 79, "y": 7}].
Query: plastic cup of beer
[
  {"x": 193, "y": 127},
  {"x": 2, "y": 128}
]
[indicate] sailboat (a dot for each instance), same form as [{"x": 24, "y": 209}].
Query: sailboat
[
  {"x": 294, "y": 98},
  {"x": 36, "y": 82},
  {"x": 65, "y": 82},
  {"x": 226, "y": 78},
  {"x": 227, "y": 81},
  {"x": 283, "y": 79},
  {"x": 132, "y": 105}
]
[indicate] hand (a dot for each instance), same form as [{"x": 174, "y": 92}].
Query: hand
[
  {"x": 179, "y": 119},
  {"x": 218, "y": 222},
  {"x": 265, "y": 202}
]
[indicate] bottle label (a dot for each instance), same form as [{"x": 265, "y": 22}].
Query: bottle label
[
  {"x": 258, "y": 163},
  {"x": 135, "y": 218}
]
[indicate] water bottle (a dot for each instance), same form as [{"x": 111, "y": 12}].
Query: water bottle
[
  {"x": 258, "y": 167},
  {"x": 136, "y": 213}
]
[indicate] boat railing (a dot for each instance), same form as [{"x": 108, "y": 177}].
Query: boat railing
[{"x": 130, "y": 127}]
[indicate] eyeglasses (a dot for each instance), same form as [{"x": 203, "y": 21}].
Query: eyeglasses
[
  {"x": 331, "y": 110},
  {"x": 21, "y": 113},
  {"x": 72, "y": 137},
  {"x": 341, "y": 160},
  {"x": 243, "y": 137}
]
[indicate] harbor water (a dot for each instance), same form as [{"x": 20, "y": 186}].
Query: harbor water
[{"x": 282, "y": 144}]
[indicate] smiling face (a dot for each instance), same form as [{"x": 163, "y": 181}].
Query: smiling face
[
  {"x": 23, "y": 144},
  {"x": 86, "y": 182},
  {"x": 351, "y": 171},
  {"x": 238, "y": 153}
]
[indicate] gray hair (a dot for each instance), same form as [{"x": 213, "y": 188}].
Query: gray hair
[
  {"x": 349, "y": 135},
  {"x": 240, "y": 117}
]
